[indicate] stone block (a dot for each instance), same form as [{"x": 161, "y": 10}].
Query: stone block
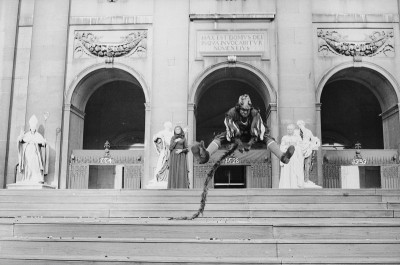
[{"x": 27, "y": 186}]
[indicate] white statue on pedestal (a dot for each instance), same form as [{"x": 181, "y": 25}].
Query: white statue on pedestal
[
  {"x": 32, "y": 155},
  {"x": 309, "y": 144},
  {"x": 292, "y": 173},
  {"x": 161, "y": 142}
]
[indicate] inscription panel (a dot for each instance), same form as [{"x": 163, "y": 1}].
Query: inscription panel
[{"x": 239, "y": 43}]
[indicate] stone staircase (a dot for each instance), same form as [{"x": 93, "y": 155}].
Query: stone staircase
[{"x": 248, "y": 226}]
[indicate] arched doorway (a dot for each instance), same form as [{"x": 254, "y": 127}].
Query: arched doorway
[
  {"x": 115, "y": 113},
  {"x": 216, "y": 92},
  {"x": 359, "y": 109},
  {"x": 105, "y": 104},
  {"x": 217, "y": 100}
]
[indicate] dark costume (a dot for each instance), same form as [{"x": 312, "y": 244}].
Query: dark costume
[
  {"x": 178, "y": 169},
  {"x": 243, "y": 123}
]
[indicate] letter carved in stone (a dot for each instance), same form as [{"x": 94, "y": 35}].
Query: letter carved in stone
[
  {"x": 356, "y": 42},
  {"x": 110, "y": 44}
]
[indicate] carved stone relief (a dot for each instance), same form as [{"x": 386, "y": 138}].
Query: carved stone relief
[
  {"x": 132, "y": 43},
  {"x": 356, "y": 42}
]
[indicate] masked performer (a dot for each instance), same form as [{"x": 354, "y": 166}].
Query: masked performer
[{"x": 243, "y": 123}]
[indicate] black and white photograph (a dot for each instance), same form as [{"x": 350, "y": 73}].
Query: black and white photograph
[{"x": 197, "y": 132}]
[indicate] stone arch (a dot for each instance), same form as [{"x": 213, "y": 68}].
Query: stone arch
[
  {"x": 376, "y": 70},
  {"x": 216, "y": 71},
  {"x": 380, "y": 83},
  {"x": 105, "y": 74},
  {"x": 79, "y": 91},
  {"x": 242, "y": 72}
]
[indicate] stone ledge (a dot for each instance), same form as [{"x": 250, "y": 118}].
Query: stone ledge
[
  {"x": 355, "y": 18},
  {"x": 265, "y": 16},
  {"x": 29, "y": 186},
  {"x": 114, "y": 20}
]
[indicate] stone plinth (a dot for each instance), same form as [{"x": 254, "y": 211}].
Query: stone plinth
[{"x": 29, "y": 186}]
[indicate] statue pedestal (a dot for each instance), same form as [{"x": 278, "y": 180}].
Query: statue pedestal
[
  {"x": 29, "y": 186},
  {"x": 155, "y": 185}
]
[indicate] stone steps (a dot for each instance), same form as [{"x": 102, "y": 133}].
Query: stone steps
[
  {"x": 254, "y": 226},
  {"x": 198, "y": 260},
  {"x": 204, "y": 229},
  {"x": 262, "y": 248}
]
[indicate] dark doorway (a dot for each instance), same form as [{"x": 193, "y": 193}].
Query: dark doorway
[
  {"x": 350, "y": 114},
  {"x": 216, "y": 101},
  {"x": 228, "y": 177},
  {"x": 115, "y": 112},
  {"x": 370, "y": 177}
]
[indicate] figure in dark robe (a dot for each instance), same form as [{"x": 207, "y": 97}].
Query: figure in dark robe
[{"x": 178, "y": 177}]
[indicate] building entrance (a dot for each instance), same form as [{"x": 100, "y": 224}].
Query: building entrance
[
  {"x": 230, "y": 177},
  {"x": 360, "y": 129},
  {"x": 106, "y": 131},
  {"x": 218, "y": 92}
]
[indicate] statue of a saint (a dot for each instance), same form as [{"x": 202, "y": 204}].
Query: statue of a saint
[
  {"x": 309, "y": 144},
  {"x": 161, "y": 142},
  {"x": 33, "y": 155},
  {"x": 292, "y": 173}
]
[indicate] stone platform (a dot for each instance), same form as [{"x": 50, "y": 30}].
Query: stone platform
[{"x": 249, "y": 226}]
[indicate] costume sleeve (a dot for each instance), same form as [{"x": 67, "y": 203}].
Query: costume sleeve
[
  {"x": 172, "y": 144},
  {"x": 232, "y": 129},
  {"x": 257, "y": 126}
]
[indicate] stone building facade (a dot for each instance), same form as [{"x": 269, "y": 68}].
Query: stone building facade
[{"x": 117, "y": 70}]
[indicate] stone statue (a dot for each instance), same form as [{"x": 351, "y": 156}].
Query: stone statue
[
  {"x": 161, "y": 142},
  {"x": 33, "y": 155},
  {"x": 292, "y": 173},
  {"x": 309, "y": 144}
]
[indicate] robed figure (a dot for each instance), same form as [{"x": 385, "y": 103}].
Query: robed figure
[
  {"x": 161, "y": 141},
  {"x": 33, "y": 155},
  {"x": 292, "y": 174}
]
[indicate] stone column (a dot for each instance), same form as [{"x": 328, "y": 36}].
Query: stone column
[
  {"x": 319, "y": 152},
  {"x": 148, "y": 173},
  {"x": 191, "y": 139},
  {"x": 295, "y": 59},
  {"x": 62, "y": 183},
  {"x": 8, "y": 31},
  {"x": 47, "y": 72},
  {"x": 274, "y": 133}
]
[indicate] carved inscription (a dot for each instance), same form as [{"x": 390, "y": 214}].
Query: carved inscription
[{"x": 214, "y": 43}]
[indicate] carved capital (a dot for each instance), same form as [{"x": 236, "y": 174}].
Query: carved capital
[
  {"x": 74, "y": 110},
  {"x": 191, "y": 106}
]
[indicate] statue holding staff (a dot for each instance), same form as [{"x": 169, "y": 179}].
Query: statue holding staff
[{"x": 33, "y": 154}]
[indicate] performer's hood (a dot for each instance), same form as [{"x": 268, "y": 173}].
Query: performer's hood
[
  {"x": 245, "y": 102},
  {"x": 33, "y": 123}
]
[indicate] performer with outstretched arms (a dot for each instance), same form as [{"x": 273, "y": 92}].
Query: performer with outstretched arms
[{"x": 243, "y": 123}]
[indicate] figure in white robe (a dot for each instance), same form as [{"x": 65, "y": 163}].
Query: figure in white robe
[
  {"x": 161, "y": 142},
  {"x": 292, "y": 174},
  {"x": 32, "y": 155},
  {"x": 309, "y": 145}
]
